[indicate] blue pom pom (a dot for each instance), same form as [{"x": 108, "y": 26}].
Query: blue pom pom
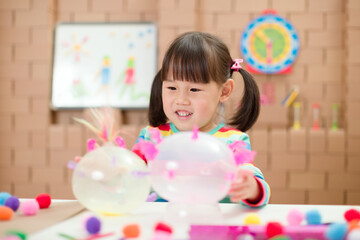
[
  {"x": 336, "y": 231},
  {"x": 3, "y": 197},
  {"x": 313, "y": 217},
  {"x": 13, "y": 203},
  {"x": 93, "y": 225}
]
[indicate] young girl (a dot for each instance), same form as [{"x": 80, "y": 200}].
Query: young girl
[{"x": 195, "y": 77}]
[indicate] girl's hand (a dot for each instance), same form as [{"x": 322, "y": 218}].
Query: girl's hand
[{"x": 244, "y": 187}]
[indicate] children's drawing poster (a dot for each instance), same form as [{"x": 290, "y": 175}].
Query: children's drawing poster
[{"x": 97, "y": 65}]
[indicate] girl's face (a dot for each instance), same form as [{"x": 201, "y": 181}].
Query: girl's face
[{"x": 187, "y": 104}]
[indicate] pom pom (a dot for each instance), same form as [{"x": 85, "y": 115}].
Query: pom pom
[
  {"x": 273, "y": 229},
  {"x": 93, "y": 225},
  {"x": 354, "y": 235},
  {"x": 295, "y": 217},
  {"x": 163, "y": 227},
  {"x": 12, "y": 237},
  {"x": 336, "y": 231},
  {"x": 352, "y": 214},
  {"x": 6, "y": 213},
  {"x": 131, "y": 231},
  {"x": 44, "y": 200},
  {"x": 13, "y": 203},
  {"x": 19, "y": 234},
  {"x": 354, "y": 224},
  {"x": 313, "y": 217},
  {"x": 252, "y": 219},
  {"x": 3, "y": 197},
  {"x": 29, "y": 207}
]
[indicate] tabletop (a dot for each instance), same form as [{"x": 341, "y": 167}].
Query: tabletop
[{"x": 67, "y": 217}]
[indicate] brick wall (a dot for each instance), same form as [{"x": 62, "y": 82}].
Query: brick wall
[{"x": 303, "y": 166}]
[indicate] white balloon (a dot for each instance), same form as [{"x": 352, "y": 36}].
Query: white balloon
[
  {"x": 111, "y": 180},
  {"x": 191, "y": 170}
]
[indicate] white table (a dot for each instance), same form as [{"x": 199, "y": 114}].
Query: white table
[{"x": 152, "y": 212}]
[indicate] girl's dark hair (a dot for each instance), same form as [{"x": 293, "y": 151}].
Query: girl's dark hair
[{"x": 200, "y": 57}]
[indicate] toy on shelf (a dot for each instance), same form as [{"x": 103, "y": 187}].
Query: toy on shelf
[
  {"x": 316, "y": 116},
  {"x": 297, "y": 125},
  {"x": 290, "y": 97},
  {"x": 335, "y": 124},
  {"x": 110, "y": 179}
]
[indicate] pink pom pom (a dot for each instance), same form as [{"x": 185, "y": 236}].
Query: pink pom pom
[
  {"x": 295, "y": 217},
  {"x": 29, "y": 207},
  {"x": 44, "y": 200},
  {"x": 12, "y": 237}
]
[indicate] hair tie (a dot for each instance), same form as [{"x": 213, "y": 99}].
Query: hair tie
[{"x": 236, "y": 66}]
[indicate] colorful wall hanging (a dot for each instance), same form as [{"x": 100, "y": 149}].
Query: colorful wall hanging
[{"x": 269, "y": 44}]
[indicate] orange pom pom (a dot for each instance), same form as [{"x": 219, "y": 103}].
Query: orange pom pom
[
  {"x": 6, "y": 213},
  {"x": 131, "y": 231},
  {"x": 354, "y": 224}
]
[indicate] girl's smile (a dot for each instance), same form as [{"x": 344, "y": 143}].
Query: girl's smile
[{"x": 187, "y": 104}]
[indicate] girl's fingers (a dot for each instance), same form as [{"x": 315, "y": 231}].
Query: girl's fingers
[
  {"x": 238, "y": 188},
  {"x": 238, "y": 197}
]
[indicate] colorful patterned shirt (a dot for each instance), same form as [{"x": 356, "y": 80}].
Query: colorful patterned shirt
[{"x": 227, "y": 135}]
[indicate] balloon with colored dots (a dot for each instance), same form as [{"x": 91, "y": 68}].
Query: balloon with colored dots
[
  {"x": 192, "y": 167},
  {"x": 110, "y": 179}
]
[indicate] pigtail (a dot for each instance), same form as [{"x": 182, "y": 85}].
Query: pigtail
[
  {"x": 249, "y": 109},
  {"x": 156, "y": 113}
]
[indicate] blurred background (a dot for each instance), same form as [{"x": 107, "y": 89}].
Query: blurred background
[{"x": 315, "y": 161}]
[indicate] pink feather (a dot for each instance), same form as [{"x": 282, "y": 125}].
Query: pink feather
[
  {"x": 149, "y": 149},
  {"x": 245, "y": 156},
  {"x": 120, "y": 142},
  {"x": 241, "y": 154},
  {"x": 91, "y": 144},
  {"x": 195, "y": 131}
]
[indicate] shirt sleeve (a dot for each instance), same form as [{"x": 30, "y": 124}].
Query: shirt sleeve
[
  {"x": 264, "y": 187},
  {"x": 259, "y": 177}
]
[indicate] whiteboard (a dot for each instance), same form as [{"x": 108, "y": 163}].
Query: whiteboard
[{"x": 96, "y": 65}]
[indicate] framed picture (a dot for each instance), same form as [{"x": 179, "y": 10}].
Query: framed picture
[{"x": 110, "y": 64}]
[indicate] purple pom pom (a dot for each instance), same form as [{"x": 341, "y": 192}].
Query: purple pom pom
[
  {"x": 93, "y": 225},
  {"x": 13, "y": 203}
]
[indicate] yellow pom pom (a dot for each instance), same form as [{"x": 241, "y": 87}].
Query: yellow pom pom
[{"x": 252, "y": 219}]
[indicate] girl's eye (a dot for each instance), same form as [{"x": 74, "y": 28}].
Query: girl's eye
[
  {"x": 195, "y": 90},
  {"x": 172, "y": 88}
]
